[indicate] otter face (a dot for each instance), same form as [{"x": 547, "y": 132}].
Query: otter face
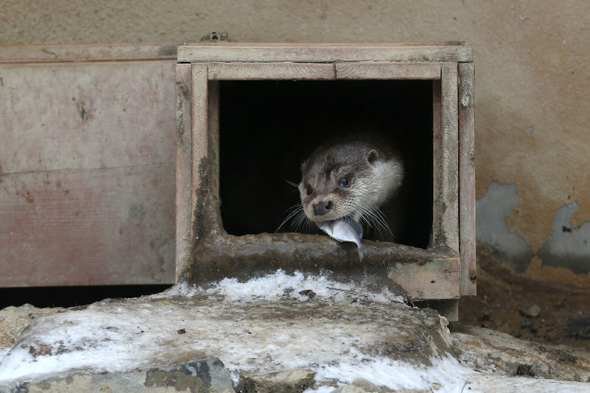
[{"x": 333, "y": 183}]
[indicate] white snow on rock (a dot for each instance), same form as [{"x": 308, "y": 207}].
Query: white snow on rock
[{"x": 342, "y": 331}]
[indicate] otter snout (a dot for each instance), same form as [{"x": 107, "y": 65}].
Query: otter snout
[{"x": 322, "y": 208}]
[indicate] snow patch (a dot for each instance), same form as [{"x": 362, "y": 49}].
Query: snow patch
[{"x": 227, "y": 321}]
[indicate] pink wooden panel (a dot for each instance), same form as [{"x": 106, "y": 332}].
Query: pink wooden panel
[
  {"x": 88, "y": 227},
  {"x": 87, "y": 153},
  {"x": 86, "y": 115}
]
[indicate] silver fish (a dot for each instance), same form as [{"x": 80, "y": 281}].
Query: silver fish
[{"x": 345, "y": 230}]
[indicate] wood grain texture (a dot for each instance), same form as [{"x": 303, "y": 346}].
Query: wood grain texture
[
  {"x": 467, "y": 179},
  {"x": 449, "y": 158},
  {"x": 439, "y": 279},
  {"x": 77, "y": 53},
  {"x": 322, "y": 53},
  {"x": 437, "y": 189},
  {"x": 184, "y": 184},
  {"x": 272, "y": 71},
  {"x": 87, "y": 168},
  {"x": 387, "y": 70},
  {"x": 200, "y": 137},
  {"x": 88, "y": 227},
  {"x": 213, "y": 132},
  {"x": 87, "y": 116}
]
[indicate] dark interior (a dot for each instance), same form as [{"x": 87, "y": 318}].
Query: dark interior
[
  {"x": 73, "y": 296},
  {"x": 268, "y": 128}
]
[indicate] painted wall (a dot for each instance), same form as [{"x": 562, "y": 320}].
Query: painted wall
[{"x": 532, "y": 85}]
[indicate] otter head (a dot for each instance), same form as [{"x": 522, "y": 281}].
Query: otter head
[{"x": 335, "y": 180}]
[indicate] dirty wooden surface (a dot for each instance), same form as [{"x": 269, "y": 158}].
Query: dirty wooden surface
[
  {"x": 322, "y": 53},
  {"x": 77, "y": 53},
  {"x": 87, "y": 166},
  {"x": 467, "y": 179},
  {"x": 266, "y": 71},
  {"x": 216, "y": 254},
  {"x": 184, "y": 148}
]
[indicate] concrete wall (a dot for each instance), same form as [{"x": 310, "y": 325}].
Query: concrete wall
[{"x": 533, "y": 77}]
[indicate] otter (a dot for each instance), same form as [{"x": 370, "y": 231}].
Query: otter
[{"x": 349, "y": 180}]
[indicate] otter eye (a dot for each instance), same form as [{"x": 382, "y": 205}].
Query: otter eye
[
  {"x": 309, "y": 190},
  {"x": 344, "y": 182}
]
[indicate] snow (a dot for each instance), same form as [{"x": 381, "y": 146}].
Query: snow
[{"x": 224, "y": 321}]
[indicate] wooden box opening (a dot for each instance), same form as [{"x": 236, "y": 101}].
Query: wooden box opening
[
  {"x": 268, "y": 128},
  {"x": 249, "y": 114}
]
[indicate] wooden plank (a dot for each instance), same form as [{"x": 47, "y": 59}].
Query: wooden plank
[
  {"x": 213, "y": 127},
  {"x": 67, "y": 53},
  {"x": 467, "y": 179},
  {"x": 87, "y": 115},
  {"x": 387, "y": 70},
  {"x": 184, "y": 184},
  {"x": 437, "y": 131},
  {"x": 88, "y": 227},
  {"x": 275, "y": 71},
  {"x": 322, "y": 53},
  {"x": 449, "y": 160},
  {"x": 439, "y": 279},
  {"x": 200, "y": 137}
]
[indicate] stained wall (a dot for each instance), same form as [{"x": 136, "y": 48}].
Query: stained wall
[{"x": 532, "y": 85}]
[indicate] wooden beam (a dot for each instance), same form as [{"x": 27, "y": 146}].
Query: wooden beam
[
  {"x": 437, "y": 131},
  {"x": 111, "y": 226},
  {"x": 439, "y": 279},
  {"x": 86, "y": 53},
  {"x": 184, "y": 184},
  {"x": 372, "y": 70},
  {"x": 272, "y": 71},
  {"x": 213, "y": 126},
  {"x": 467, "y": 179},
  {"x": 322, "y": 53},
  {"x": 200, "y": 141},
  {"x": 449, "y": 161}
]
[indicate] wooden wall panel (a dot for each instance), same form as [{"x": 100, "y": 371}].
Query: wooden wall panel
[
  {"x": 86, "y": 116},
  {"x": 88, "y": 227},
  {"x": 87, "y": 159}
]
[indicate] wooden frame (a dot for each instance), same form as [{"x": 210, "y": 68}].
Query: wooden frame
[{"x": 443, "y": 272}]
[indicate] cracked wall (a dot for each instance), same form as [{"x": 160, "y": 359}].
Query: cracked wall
[{"x": 532, "y": 83}]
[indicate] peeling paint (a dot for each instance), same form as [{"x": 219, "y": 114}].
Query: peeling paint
[
  {"x": 568, "y": 247},
  {"x": 492, "y": 227}
]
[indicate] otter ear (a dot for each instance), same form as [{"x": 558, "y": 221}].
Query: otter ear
[
  {"x": 372, "y": 156},
  {"x": 304, "y": 165}
]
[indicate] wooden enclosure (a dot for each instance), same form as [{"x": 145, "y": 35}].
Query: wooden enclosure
[
  {"x": 441, "y": 271},
  {"x": 87, "y": 165}
]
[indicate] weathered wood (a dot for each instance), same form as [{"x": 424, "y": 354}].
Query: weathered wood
[
  {"x": 77, "y": 53},
  {"x": 449, "y": 157},
  {"x": 200, "y": 137},
  {"x": 360, "y": 70},
  {"x": 467, "y": 179},
  {"x": 213, "y": 127},
  {"x": 104, "y": 133},
  {"x": 265, "y": 71},
  {"x": 439, "y": 279},
  {"x": 184, "y": 183},
  {"x": 88, "y": 227},
  {"x": 426, "y": 274},
  {"x": 88, "y": 116},
  {"x": 437, "y": 189},
  {"x": 321, "y": 53}
]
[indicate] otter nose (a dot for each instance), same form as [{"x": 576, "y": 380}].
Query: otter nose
[{"x": 322, "y": 208}]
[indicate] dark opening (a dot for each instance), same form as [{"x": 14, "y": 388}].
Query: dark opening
[
  {"x": 73, "y": 296},
  {"x": 268, "y": 128}
]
